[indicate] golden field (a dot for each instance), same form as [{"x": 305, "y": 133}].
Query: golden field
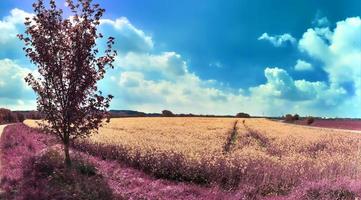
[
  {"x": 269, "y": 156},
  {"x": 205, "y": 138}
]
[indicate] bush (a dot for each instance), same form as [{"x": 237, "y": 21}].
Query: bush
[
  {"x": 310, "y": 120},
  {"x": 167, "y": 113},
  {"x": 296, "y": 117},
  {"x": 46, "y": 177},
  {"x": 291, "y": 118},
  {"x": 85, "y": 168},
  {"x": 242, "y": 115},
  {"x": 288, "y": 118},
  {"x": 34, "y": 115},
  {"x": 20, "y": 117}
]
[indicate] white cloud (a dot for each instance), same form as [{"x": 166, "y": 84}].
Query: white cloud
[
  {"x": 128, "y": 37},
  {"x": 321, "y": 21},
  {"x": 188, "y": 94},
  {"x": 281, "y": 85},
  {"x": 339, "y": 50},
  {"x": 175, "y": 87},
  {"x": 14, "y": 93},
  {"x": 282, "y": 94},
  {"x": 315, "y": 42},
  {"x": 10, "y": 26},
  {"x": 11, "y": 78},
  {"x": 302, "y": 65},
  {"x": 278, "y": 40},
  {"x": 279, "y": 95},
  {"x": 182, "y": 91},
  {"x": 12, "y": 83},
  {"x": 170, "y": 64}
]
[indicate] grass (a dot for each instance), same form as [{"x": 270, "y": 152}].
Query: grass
[{"x": 32, "y": 169}]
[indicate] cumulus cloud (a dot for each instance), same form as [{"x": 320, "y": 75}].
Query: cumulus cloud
[
  {"x": 14, "y": 93},
  {"x": 302, "y": 65},
  {"x": 282, "y": 94},
  {"x": 315, "y": 42},
  {"x": 278, "y": 40},
  {"x": 10, "y": 26},
  {"x": 182, "y": 91},
  {"x": 339, "y": 50},
  {"x": 170, "y": 64},
  {"x": 147, "y": 80},
  {"x": 12, "y": 84},
  {"x": 128, "y": 37},
  {"x": 186, "y": 94},
  {"x": 281, "y": 85}
]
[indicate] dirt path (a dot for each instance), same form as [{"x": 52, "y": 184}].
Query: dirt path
[
  {"x": 1, "y": 131},
  {"x": 2, "y": 128}
]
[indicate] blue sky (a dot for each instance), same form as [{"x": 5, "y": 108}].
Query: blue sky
[{"x": 215, "y": 57}]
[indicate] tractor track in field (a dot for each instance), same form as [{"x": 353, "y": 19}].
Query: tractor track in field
[{"x": 231, "y": 139}]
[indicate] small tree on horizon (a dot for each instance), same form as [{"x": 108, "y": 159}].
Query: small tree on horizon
[
  {"x": 63, "y": 49},
  {"x": 243, "y": 115},
  {"x": 167, "y": 113}
]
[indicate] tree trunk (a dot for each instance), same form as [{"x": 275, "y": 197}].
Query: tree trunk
[{"x": 67, "y": 155}]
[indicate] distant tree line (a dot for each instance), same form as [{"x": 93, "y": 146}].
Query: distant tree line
[
  {"x": 167, "y": 113},
  {"x": 8, "y": 116}
]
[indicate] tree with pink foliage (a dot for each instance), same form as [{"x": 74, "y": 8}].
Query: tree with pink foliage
[{"x": 64, "y": 50}]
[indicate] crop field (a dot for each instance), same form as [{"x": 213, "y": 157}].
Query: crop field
[{"x": 259, "y": 157}]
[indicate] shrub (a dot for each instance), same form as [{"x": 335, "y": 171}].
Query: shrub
[
  {"x": 29, "y": 172},
  {"x": 291, "y": 118},
  {"x": 296, "y": 117},
  {"x": 85, "y": 168},
  {"x": 167, "y": 113},
  {"x": 34, "y": 115},
  {"x": 46, "y": 177},
  {"x": 310, "y": 120},
  {"x": 288, "y": 118},
  {"x": 20, "y": 117},
  {"x": 242, "y": 115}
]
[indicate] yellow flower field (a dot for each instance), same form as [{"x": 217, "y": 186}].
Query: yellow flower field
[{"x": 271, "y": 156}]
